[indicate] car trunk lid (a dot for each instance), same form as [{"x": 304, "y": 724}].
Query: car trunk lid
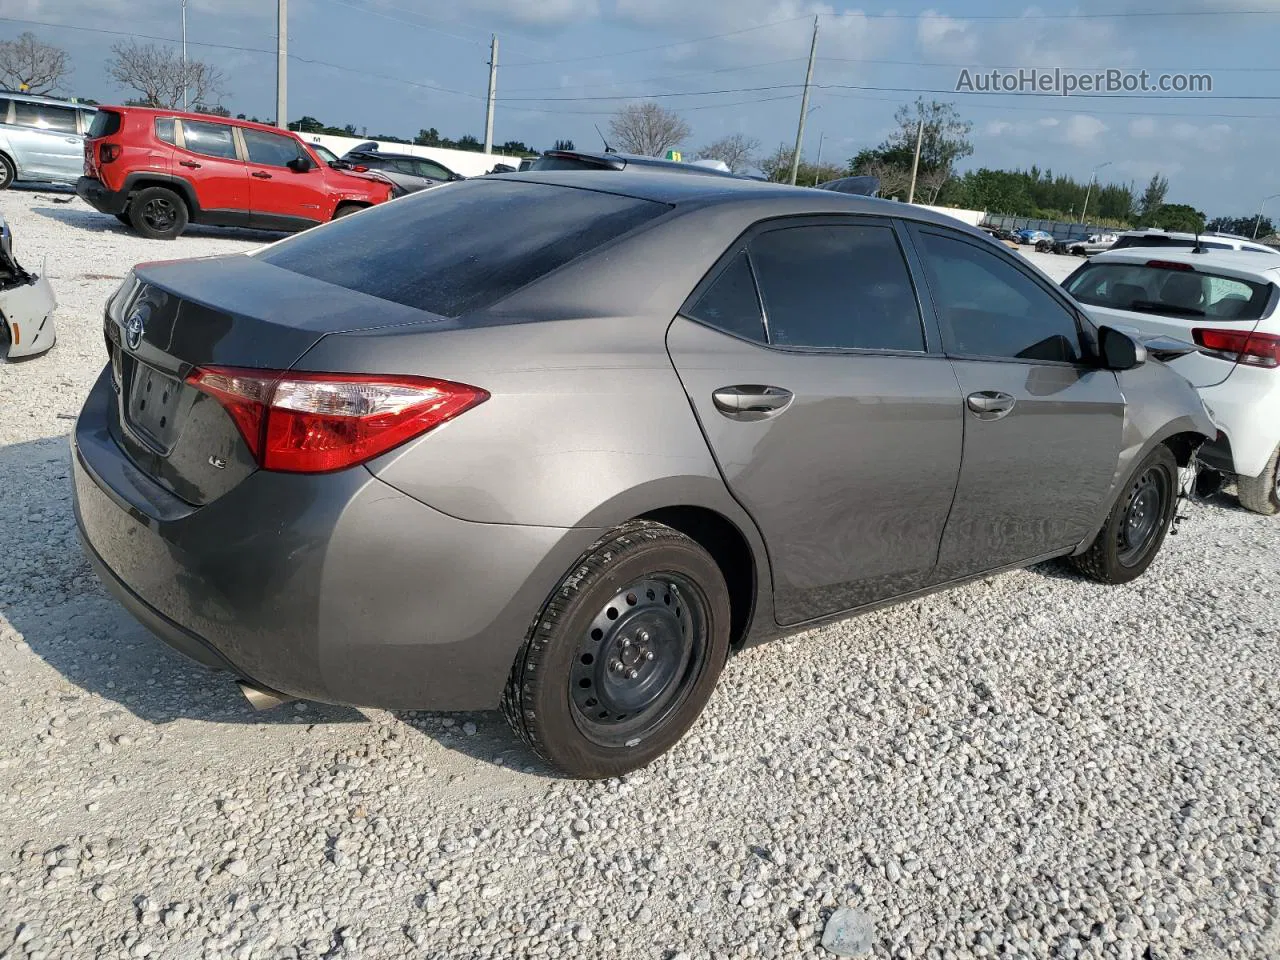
[{"x": 171, "y": 318}]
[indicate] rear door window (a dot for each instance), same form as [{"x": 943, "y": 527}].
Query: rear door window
[
  {"x": 838, "y": 286},
  {"x": 165, "y": 130},
  {"x": 209, "y": 139},
  {"x": 462, "y": 247},
  {"x": 432, "y": 171},
  {"x": 732, "y": 303},
  {"x": 44, "y": 116}
]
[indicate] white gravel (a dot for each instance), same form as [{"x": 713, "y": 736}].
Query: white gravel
[{"x": 1032, "y": 766}]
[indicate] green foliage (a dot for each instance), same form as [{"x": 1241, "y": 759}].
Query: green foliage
[
  {"x": 777, "y": 167},
  {"x": 1176, "y": 216},
  {"x": 1039, "y": 193},
  {"x": 1153, "y": 197},
  {"x": 944, "y": 140},
  {"x": 1242, "y": 226},
  {"x": 564, "y": 145}
]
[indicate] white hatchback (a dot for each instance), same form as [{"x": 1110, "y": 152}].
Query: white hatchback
[{"x": 1228, "y": 304}]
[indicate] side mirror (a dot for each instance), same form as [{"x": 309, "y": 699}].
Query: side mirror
[
  {"x": 1118, "y": 350},
  {"x": 300, "y": 164}
]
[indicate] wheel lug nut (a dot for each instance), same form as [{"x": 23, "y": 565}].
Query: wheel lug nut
[
  {"x": 616, "y": 666},
  {"x": 632, "y": 673},
  {"x": 644, "y": 636},
  {"x": 648, "y": 654}
]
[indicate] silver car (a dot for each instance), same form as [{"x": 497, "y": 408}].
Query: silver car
[
  {"x": 563, "y": 441},
  {"x": 41, "y": 139}
]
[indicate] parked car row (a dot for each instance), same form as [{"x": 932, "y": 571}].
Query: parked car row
[{"x": 352, "y": 493}]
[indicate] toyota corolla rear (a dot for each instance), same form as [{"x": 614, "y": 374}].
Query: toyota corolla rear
[{"x": 225, "y": 461}]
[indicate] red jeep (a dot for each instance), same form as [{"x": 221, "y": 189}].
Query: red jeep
[{"x": 159, "y": 170}]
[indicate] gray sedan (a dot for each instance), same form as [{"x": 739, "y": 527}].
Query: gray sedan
[{"x": 610, "y": 431}]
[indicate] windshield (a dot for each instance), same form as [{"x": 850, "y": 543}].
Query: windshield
[
  {"x": 324, "y": 153},
  {"x": 1171, "y": 292}
]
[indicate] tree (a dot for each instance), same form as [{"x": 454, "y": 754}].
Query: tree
[
  {"x": 428, "y": 138},
  {"x": 564, "y": 145},
  {"x": 648, "y": 129},
  {"x": 1153, "y": 198},
  {"x": 159, "y": 76},
  {"x": 736, "y": 151},
  {"x": 1178, "y": 217},
  {"x": 29, "y": 66},
  {"x": 777, "y": 167},
  {"x": 943, "y": 142},
  {"x": 1241, "y": 226}
]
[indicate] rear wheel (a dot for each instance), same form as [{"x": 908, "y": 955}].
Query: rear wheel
[
  {"x": 7, "y": 172},
  {"x": 1129, "y": 541},
  {"x": 1261, "y": 494},
  {"x": 624, "y": 655},
  {"x": 346, "y": 210},
  {"x": 124, "y": 218},
  {"x": 158, "y": 213}
]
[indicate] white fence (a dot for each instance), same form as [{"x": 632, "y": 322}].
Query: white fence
[{"x": 465, "y": 162}]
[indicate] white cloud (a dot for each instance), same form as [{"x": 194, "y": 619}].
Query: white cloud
[
  {"x": 1049, "y": 121},
  {"x": 537, "y": 12},
  {"x": 1142, "y": 128},
  {"x": 998, "y": 128},
  {"x": 1082, "y": 130}
]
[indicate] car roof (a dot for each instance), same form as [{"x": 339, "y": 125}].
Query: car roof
[
  {"x": 771, "y": 199},
  {"x": 41, "y": 98},
  {"x": 1243, "y": 263},
  {"x": 617, "y": 161},
  {"x": 203, "y": 117}
]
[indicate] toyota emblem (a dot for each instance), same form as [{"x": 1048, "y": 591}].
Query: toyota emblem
[{"x": 133, "y": 331}]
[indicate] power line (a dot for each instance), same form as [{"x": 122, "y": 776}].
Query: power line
[
  {"x": 676, "y": 76},
  {"x": 1180, "y": 68}
]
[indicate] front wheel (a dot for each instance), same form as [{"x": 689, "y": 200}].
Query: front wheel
[
  {"x": 1261, "y": 494},
  {"x": 7, "y": 172},
  {"x": 1137, "y": 525},
  {"x": 625, "y": 654}
]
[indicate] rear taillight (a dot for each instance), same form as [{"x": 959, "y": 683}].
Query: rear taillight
[
  {"x": 108, "y": 152},
  {"x": 360, "y": 169},
  {"x": 1254, "y": 349},
  {"x": 320, "y": 422}
]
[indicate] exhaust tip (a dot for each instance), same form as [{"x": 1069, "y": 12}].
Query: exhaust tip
[{"x": 261, "y": 698}]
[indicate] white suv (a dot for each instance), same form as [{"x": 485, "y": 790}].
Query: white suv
[
  {"x": 1188, "y": 241},
  {"x": 1226, "y": 302},
  {"x": 41, "y": 138}
]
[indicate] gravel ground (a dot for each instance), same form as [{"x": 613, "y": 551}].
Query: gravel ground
[{"x": 1031, "y": 766}]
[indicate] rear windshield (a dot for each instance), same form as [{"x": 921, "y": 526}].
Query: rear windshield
[
  {"x": 1169, "y": 292},
  {"x": 569, "y": 163},
  {"x": 463, "y": 246},
  {"x": 105, "y": 124}
]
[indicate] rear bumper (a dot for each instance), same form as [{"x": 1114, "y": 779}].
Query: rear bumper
[
  {"x": 99, "y": 196},
  {"x": 1246, "y": 410},
  {"x": 335, "y": 588}
]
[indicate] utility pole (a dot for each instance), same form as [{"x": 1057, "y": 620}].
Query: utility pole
[
  {"x": 822, "y": 138},
  {"x": 184, "y": 54},
  {"x": 493, "y": 95},
  {"x": 1257, "y": 223},
  {"x": 804, "y": 105},
  {"x": 282, "y": 64},
  {"x": 915, "y": 163},
  {"x": 1093, "y": 177}
]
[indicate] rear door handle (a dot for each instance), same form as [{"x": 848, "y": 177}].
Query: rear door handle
[
  {"x": 189, "y": 163},
  {"x": 990, "y": 404},
  {"x": 751, "y": 402},
  {"x": 261, "y": 175},
  {"x": 74, "y": 140}
]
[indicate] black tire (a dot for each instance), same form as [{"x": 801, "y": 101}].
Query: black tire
[
  {"x": 158, "y": 213},
  {"x": 624, "y": 655},
  {"x": 1137, "y": 525},
  {"x": 1261, "y": 494},
  {"x": 8, "y": 173},
  {"x": 346, "y": 209}
]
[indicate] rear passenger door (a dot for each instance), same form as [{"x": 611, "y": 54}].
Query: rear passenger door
[
  {"x": 1042, "y": 424},
  {"x": 207, "y": 158},
  {"x": 48, "y": 141},
  {"x": 806, "y": 359}
]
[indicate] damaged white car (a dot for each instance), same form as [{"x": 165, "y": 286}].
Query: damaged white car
[{"x": 26, "y": 305}]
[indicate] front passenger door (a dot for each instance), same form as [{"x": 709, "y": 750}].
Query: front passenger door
[
  {"x": 1042, "y": 425},
  {"x": 280, "y": 197}
]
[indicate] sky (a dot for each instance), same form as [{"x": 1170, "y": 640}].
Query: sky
[{"x": 738, "y": 66}]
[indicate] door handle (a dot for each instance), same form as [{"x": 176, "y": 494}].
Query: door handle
[
  {"x": 74, "y": 140},
  {"x": 751, "y": 402},
  {"x": 261, "y": 175},
  {"x": 189, "y": 163},
  {"x": 990, "y": 404}
]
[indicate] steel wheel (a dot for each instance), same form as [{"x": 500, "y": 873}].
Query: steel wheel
[
  {"x": 1144, "y": 516},
  {"x": 638, "y": 659},
  {"x": 6, "y": 174}
]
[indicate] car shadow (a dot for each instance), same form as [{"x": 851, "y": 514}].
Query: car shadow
[
  {"x": 51, "y": 597},
  {"x": 82, "y": 217}
]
